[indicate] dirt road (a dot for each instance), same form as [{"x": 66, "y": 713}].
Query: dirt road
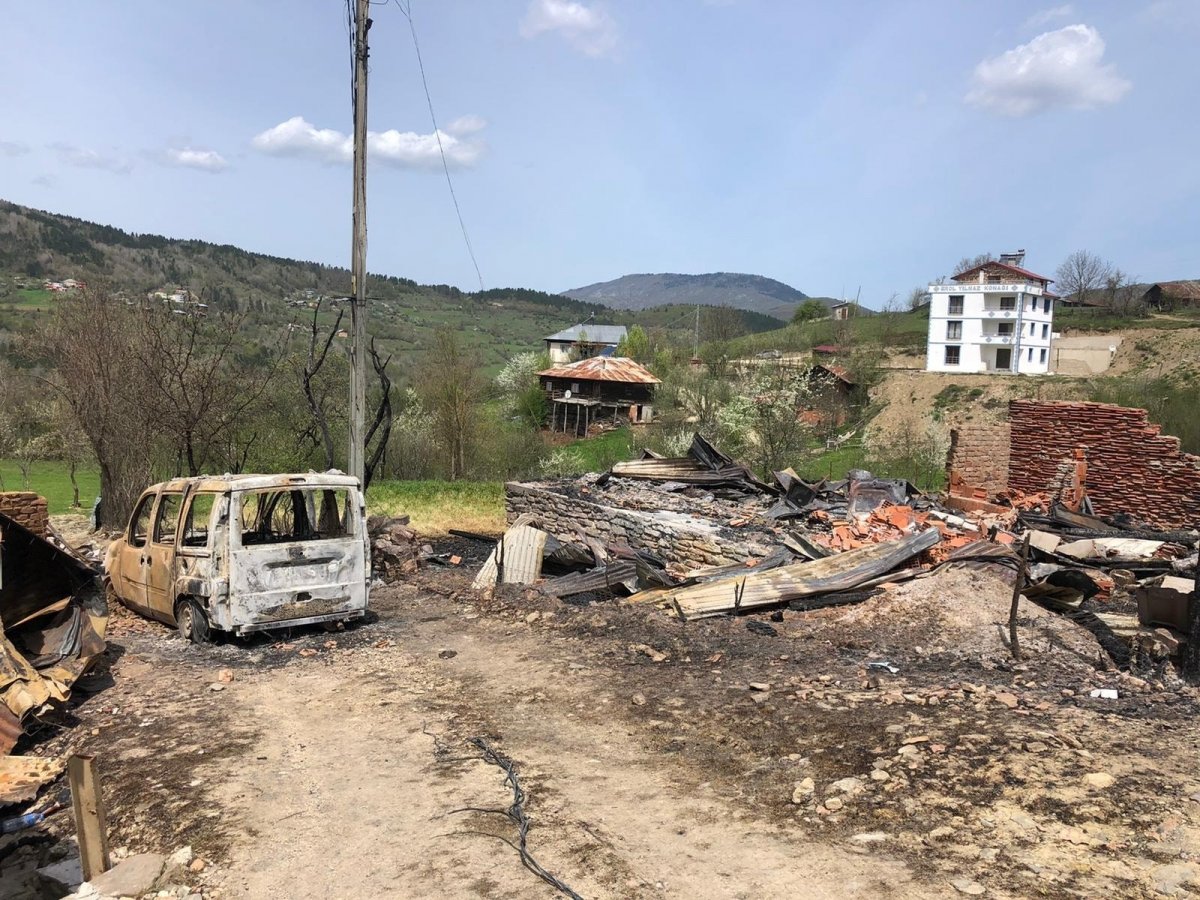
[{"x": 333, "y": 765}]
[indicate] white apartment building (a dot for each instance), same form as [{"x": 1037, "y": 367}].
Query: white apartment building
[{"x": 996, "y": 317}]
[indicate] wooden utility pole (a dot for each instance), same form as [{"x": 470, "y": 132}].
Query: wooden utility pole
[
  {"x": 1191, "y": 650},
  {"x": 358, "y": 263}
]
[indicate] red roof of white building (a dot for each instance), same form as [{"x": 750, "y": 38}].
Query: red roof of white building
[{"x": 1024, "y": 273}]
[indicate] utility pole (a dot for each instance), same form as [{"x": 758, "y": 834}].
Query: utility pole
[
  {"x": 358, "y": 264},
  {"x": 696, "y": 337}
]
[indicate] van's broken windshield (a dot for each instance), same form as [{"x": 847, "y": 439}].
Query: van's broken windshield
[{"x": 295, "y": 514}]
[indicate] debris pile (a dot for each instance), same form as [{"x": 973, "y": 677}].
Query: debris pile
[{"x": 647, "y": 530}]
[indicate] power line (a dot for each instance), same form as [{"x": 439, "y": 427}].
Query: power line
[{"x": 407, "y": 11}]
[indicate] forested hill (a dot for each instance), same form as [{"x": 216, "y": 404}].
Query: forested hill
[
  {"x": 37, "y": 246},
  {"x": 755, "y": 293}
]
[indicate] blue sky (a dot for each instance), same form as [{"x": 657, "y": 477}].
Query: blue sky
[{"x": 827, "y": 145}]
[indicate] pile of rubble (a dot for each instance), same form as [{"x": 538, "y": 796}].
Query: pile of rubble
[
  {"x": 395, "y": 548},
  {"x": 701, "y": 536}
]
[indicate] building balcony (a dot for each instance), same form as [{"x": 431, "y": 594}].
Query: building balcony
[{"x": 996, "y": 338}]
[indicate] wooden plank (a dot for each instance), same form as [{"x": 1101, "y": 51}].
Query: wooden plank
[{"x": 91, "y": 826}]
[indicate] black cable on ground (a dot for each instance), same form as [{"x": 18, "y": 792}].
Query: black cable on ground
[{"x": 516, "y": 814}]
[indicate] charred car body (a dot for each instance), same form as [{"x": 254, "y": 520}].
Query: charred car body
[{"x": 244, "y": 553}]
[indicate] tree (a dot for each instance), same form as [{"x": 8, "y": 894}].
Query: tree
[
  {"x": 763, "y": 422},
  {"x": 635, "y": 345},
  {"x": 452, "y": 389},
  {"x": 809, "y": 311},
  {"x": 90, "y": 343},
  {"x": 521, "y": 389},
  {"x": 917, "y": 297},
  {"x": 1121, "y": 295},
  {"x": 970, "y": 262},
  {"x": 1081, "y": 273}
]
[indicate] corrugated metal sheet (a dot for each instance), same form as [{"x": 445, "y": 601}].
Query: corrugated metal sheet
[
  {"x": 603, "y": 368},
  {"x": 834, "y": 573},
  {"x": 595, "y": 334},
  {"x": 519, "y": 553}
]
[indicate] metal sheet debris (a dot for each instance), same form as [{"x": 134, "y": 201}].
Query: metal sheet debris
[{"x": 830, "y": 575}]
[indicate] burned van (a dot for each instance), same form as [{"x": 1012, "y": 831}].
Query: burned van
[{"x": 243, "y": 553}]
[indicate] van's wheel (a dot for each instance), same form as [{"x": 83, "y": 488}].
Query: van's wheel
[{"x": 191, "y": 621}]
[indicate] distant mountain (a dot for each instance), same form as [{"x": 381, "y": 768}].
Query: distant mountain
[{"x": 749, "y": 292}]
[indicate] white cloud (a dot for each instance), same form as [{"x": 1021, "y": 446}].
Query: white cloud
[
  {"x": 87, "y": 158},
  {"x": 402, "y": 149},
  {"x": 589, "y": 29},
  {"x": 1046, "y": 16},
  {"x": 1063, "y": 68},
  {"x": 13, "y": 148},
  {"x": 190, "y": 158}
]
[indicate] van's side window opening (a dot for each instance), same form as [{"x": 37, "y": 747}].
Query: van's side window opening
[
  {"x": 197, "y": 519},
  {"x": 167, "y": 518},
  {"x": 141, "y": 522},
  {"x": 286, "y": 516}
]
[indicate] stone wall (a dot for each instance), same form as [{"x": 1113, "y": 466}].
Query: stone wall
[
  {"x": 979, "y": 456},
  {"x": 1131, "y": 467},
  {"x": 27, "y": 509},
  {"x": 674, "y": 536}
]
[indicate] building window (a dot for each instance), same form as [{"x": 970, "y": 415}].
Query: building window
[
  {"x": 1033, "y": 304},
  {"x": 1004, "y": 328},
  {"x": 993, "y": 279},
  {"x": 1047, "y": 301},
  {"x": 1043, "y": 356},
  {"x": 1008, "y": 302},
  {"x": 954, "y": 331},
  {"x": 1045, "y": 331},
  {"x": 1029, "y": 356},
  {"x": 952, "y": 355},
  {"x": 1032, "y": 326},
  {"x": 956, "y": 304}
]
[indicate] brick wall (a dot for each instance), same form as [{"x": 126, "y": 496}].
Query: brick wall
[
  {"x": 674, "y": 536},
  {"x": 1131, "y": 467},
  {"x": 979, "y": 456},
  {"x": 28, "y": 509}
]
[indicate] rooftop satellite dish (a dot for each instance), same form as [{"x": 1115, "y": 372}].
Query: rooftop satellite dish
[{"x": 566, "y": 395}]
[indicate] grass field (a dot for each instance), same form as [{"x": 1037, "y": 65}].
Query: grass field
[
  {"x": 50, "y": 479},
  {"x": 434, "y": 507}
]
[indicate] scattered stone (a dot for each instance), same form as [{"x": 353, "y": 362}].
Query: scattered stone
[
  {"x": 638, "y": 699},
  {"x": 917, "y": 739},
  {"x": 908, "y": 750},
  {"x": 447, "y": 654},
  {"x": 760, "y": 686},
  {"x": 216, "y": 687},
  {"x": 307, "y": 652},
  {"x": 197, "y": 865},
  {"x": 803, "y": 790},
  {"x": 852, "y": 786},
  {"x": 1035, "y": 747},
  {"x": 1009, "y": 700},
  {"x": 131, "y": 877},
  {"x": 869, "y": 837},
  {"x": 532, "y": 617},
  {"x": 880, "y": 775},
  {"x": 967, "y": 886},
  {"x": 833, "y": 804},
  {"x": 942, "y": 831},
  {"x": 895, "y": 729},
  {"x": 1170, "y": 880},
  {"x": 225, "y": 676},
  {"x": 1098, "y": 780}
]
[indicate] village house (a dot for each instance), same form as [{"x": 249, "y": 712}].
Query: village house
[
  {"x": 1168, "y": 295},
  {"x": 994, "y": 317},
  {"x": 596, "y": 389},
  {"x": 582, "y": 341}
]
